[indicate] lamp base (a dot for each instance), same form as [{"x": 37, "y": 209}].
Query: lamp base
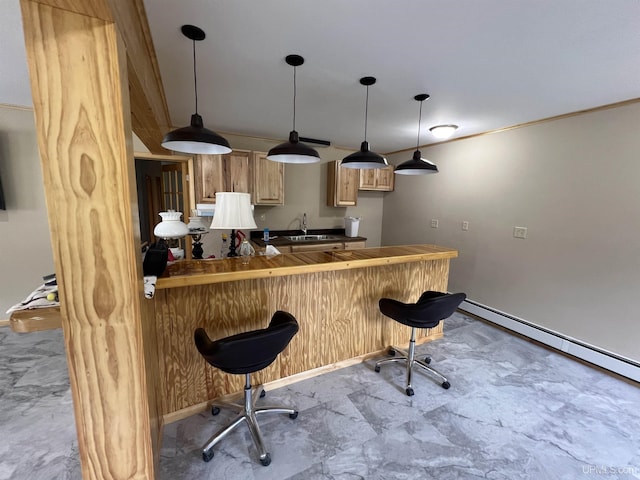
[
  {"x": 232, "y": 245},
  {"x": 196, "y": 251}
]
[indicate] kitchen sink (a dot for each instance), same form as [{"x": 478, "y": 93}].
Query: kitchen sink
[{"x": 311, "y": 238}]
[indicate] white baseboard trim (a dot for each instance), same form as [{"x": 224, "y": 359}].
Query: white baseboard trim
[{"x": 589, "y": 353}]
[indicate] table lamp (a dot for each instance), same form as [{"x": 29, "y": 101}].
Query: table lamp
[
  {"x": 197, "y": 228},
  {"x": 233, "y": 211},
  {"x": 171, "y": 227}
]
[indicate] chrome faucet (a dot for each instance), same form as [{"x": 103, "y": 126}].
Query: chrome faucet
[{"x": 303, "y": 226}]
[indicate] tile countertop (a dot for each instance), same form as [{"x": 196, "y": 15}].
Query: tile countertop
[{"x": 280, "y": 240}]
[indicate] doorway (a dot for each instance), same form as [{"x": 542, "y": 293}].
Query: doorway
[{"x": 163, "y": 183}]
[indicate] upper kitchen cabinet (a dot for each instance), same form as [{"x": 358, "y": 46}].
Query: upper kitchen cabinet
[
  {"x": 222, "y": 173},
  {"x": 342, "y": 185},
  {"x": 268, "y": 180},
  {"x": 378, "y": 179}
]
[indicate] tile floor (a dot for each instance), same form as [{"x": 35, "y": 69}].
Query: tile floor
[{"x": 514, "y": 410}]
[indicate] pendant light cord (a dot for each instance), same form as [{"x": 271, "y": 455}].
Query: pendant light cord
[
  {"x": 419, "y": 124},
  {"x": 366, "y": 114},
  {"x": 294, "y": 98},
  {"x": 195, "y": 76}
]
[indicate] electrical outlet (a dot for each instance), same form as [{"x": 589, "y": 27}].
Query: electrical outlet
[
  {"x": 465, "y": 225},
  {"x": 263, "y": 217},
  {"x": 519, "y": 232},
  {"x": 434, "y": 223}
]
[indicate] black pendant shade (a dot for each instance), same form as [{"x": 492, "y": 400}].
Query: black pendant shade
[
  {"x": 293, "y": 151},
  {"x": 417, "y": 165},
  {"x": 195, "y": 138},
  {"x": 365, "y": 158}
]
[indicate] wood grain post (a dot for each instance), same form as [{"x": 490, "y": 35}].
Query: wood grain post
[{"x": 81, "y": 102}]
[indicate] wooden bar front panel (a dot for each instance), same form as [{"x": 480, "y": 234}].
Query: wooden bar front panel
[{"x": 337, "y": 312}]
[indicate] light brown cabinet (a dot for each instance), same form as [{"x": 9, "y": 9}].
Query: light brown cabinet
[
  {"x": 316, "y": 247},
  {"x": 268, "y": 180},
  {"x": 222, "y": 173},
  {"x": 240, "y": 171},
  {"x": 321, "y": 247},
  {"x": 378, "y": 179},
  {"x": 342, "y": 185},
  {"x": 355, "y": 245}
]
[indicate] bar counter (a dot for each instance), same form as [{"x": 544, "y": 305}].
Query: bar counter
[
  {"x": 333, "y": 295},
  {"x": 203, "y": 272}
]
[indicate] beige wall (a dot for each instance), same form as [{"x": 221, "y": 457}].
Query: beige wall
[
  {"x": 574, "y": 183},
  {"x": 25, "y": 246}
]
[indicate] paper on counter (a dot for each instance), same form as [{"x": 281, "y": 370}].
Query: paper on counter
[
  {"x": 37, "y": 299},
  {"x": 271, "y": 250},
  {"x": 150, "y": 285}
]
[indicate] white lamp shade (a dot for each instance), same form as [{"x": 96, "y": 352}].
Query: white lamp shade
[
  {"x": 170, "y": 226},
  {"x": 233, "y": 211}
]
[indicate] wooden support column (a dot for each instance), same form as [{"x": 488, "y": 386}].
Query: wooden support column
[{"x": 81, "y": 102}]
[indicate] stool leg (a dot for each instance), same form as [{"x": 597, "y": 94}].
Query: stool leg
[
  {"x": 247, "y": 413},
  {"x": 256, "y": 434},
  {"x": 445, "y": 383},
  {"x": 223, "y": 432},
  {"x": 395, "y": 359},
  {"x": 410, "y": 359}
]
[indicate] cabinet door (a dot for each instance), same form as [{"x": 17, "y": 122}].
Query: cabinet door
[
  {"x": 354, "y": 245},
  {"x": 237, "y": 173},
  {"x": 268, "y": 180},
  {"x": 210, "y": 177},
  {"x": 368, "y": 179},
  {"x": 222, "y": 173},
  {"x": 342, "y": 185},
  {"x": 379, "y": 179},
  {"x": 385, "y": 179}
]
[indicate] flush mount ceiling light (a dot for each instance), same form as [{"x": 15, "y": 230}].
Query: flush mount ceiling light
[
  {"x": 417, "y": 165},
  {"x": 195, "y": 138},
  {"x": 443, "y": 131},
  {"x": 365, "y": 158},
  {"x": 293, "y": 151}
]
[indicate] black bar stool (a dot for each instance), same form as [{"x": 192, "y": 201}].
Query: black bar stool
[
  {"x": 425, "y": 313},
  {"x": 244, "y": 354}
]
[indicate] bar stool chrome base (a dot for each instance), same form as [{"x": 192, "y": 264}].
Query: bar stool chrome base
[
  {"x": 409, "y": 358},
  {"x": 246, "y": 413}
]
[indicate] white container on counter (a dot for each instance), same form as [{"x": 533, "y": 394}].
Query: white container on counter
[{"x": 351, "y": 225}]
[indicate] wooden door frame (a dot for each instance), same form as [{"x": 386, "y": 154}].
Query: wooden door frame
[{"x": 187, "y": 164}]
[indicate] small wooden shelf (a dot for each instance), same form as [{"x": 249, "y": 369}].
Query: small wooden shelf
[{"x": 35, "y": 319}]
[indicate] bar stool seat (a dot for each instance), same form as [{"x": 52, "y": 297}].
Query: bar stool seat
[
  {"x": 425, "y": 313},
  {"x": 243, "y": 354}
]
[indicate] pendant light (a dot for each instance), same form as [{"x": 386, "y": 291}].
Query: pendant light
[
  {"x": 365, "y": 158},
  {"x": 417, "y": 165},
  {"x": 293, "y": 151},
  {"x": 195, "y": 138}
]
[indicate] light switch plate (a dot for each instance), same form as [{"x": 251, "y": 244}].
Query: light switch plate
[
  {"x": 434, "y": 223},
  {"x": 519, "y": 232}
]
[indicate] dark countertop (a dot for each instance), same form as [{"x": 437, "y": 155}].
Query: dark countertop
[{"x": 280, "y": 240}]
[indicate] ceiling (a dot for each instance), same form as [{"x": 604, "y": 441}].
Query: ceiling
[{"x": 487, "y": 64}]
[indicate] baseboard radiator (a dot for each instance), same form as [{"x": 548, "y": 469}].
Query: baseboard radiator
[{"x": 589, "y": 353}]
